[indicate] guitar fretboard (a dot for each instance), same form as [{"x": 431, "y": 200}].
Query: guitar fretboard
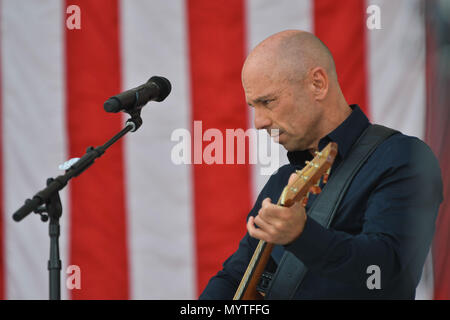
[{"x": 251, "y": 267}]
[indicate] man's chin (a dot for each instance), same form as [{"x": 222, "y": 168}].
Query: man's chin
[
  {"x": 288, "y": 144},
  {"x": 281, "y": 140},
  {"x": 291, "y": 146},
  {"x": 288, "y": 148}
]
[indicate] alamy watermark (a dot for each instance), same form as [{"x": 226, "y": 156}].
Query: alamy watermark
[
  {"x": 73, "y": 280},
  {"x": 374, "y": 280},
  {"x": 73, "y": 21},
  {"x": 235, "y": 146},
  {"x": 374, "y": 19}
]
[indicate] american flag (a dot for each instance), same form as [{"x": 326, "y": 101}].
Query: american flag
[{"x": 138, "y": 225}]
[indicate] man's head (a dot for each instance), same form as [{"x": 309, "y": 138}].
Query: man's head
[{"x": 290, "y": 80}]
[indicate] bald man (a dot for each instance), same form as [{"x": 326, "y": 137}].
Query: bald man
[{"x": 384, "y": 222}]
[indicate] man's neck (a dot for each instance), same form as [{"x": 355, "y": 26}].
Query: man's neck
[{"x": 333, "y": 120}]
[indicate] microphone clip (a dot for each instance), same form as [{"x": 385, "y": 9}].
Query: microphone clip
[{"x": 135, "y": 121}]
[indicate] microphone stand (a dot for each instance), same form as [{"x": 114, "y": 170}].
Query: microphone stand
[{"x": 48, "y": 201}]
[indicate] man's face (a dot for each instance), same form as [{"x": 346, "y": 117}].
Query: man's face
[{"x": 284, "y": 105}]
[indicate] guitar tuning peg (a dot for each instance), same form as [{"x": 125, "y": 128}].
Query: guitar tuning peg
[
  {"x": 315, "y": 189},
  {"x": 326, "y": 175},
  {"x": 305, "y": 200}
]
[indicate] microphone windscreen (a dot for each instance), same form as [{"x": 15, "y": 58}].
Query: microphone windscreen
[
  {"x": 112, "y": 105},
  {"x": 164, "y": 87}
]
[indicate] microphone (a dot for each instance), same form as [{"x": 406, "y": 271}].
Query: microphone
[{"x": 156, "y": 89}]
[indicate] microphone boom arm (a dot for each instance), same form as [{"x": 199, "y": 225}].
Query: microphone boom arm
[{"x": 75, "y": 170}]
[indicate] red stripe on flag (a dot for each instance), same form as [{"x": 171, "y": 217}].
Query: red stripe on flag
[
  {"x": 441, "y": 240},
  {"x": 2, "y": 203},
  {"x": 221, "y": 192},
  {"x": 341, "y": 26},
  {"x": 98, "y": 222}
]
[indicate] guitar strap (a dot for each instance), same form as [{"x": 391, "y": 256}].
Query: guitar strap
[{"x": 291, "y": 271}]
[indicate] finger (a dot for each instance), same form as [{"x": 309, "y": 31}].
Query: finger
[
  {"x": 255, "y": 232},
  {"x": 266, "y": 203},
  {"x": 263, "y": 224},
  {"x": 293, "y": 177},
  {"x": 270, "y": 212},
  {"x": 298, "y": 206},
  {"x": 268, "y": 208}
]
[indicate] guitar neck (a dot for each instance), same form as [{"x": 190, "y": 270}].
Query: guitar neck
[{"x": 247, "y": 287}]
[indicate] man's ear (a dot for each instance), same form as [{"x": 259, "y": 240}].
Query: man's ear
[{"x": 320, "y": 83}]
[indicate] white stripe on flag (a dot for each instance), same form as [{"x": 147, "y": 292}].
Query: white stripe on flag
[
  {"x": 33, "y": 137},
  {"x": 397, "y": 66},
  {"x": 158, "y": 191},
  {"x": 264, "y": 18}
]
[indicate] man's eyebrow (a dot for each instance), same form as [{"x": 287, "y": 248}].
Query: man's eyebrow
[{"x": 261, "y": 99}]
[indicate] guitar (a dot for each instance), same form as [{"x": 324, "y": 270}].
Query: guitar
[{"x": 307, "y": 182}]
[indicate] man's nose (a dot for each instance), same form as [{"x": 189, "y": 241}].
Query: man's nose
[{"x": 262, "y": 120}]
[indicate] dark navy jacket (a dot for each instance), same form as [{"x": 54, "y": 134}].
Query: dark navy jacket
[{"x": 387, "y": 219}]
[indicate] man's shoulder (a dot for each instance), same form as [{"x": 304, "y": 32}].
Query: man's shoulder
[
  {"x": 401, "y": 148},
  {"x": 401, "y": 151}
]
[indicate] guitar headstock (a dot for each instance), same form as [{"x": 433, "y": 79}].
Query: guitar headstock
[{"x": 309, "y": 177}]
